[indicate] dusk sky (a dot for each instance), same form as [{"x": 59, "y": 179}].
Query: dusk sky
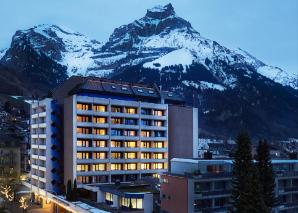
[{"x": 267, "y": 29}]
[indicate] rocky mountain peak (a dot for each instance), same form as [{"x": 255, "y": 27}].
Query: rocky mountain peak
[{"x": 161, "y": 12}]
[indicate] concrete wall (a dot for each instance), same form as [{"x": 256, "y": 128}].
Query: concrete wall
[
  {"x": 69, "y": 153},
  {"x": 174, "y": 199},
  {"x": 148, "y": 203},
  {"x": 183, "y": 132}
]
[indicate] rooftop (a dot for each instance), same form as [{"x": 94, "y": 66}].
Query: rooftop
[{"x": 102, "y": 86}]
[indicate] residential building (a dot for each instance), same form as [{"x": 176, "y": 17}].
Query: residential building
[{"x": 201, "y": 185}]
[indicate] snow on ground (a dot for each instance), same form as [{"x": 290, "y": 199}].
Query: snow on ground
[{"x": 176, "y": 57}]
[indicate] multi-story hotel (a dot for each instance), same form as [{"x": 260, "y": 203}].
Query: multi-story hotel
[
  {"x": 205, "y": 185},
  {"x": 45, "y": 146},
  {"x": 112, "y": 131}
]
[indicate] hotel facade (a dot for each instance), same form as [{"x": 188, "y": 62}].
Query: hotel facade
[{"x": 100, "y": 131}]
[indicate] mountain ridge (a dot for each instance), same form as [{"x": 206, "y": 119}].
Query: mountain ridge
[{"x": 163, "y": 48}]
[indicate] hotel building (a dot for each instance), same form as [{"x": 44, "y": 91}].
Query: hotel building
[
  {"x": 111, "y": 131},
  {"x": 205, "y": 186}
]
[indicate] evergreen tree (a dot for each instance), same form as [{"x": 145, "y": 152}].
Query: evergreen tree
[
  {"x": 246, "y": 194},
  {"x": 266, "y": 176},
  {"x": 68, "y": 190},
  {"x": 75, "y": 191}
]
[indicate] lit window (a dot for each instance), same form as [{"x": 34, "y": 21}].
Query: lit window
[
  {"x": 134, "y": 203},
  {"x": 116, "y": 155},
  {"x": 99, "y": 131},
  {"x": 158, "y": 123},
  {"x": 116, "y": 166},
  {"x": 158, "y": 144},
  {"x": 145, "y": 144},
  {"x": 145, "y": 133},
  {"x": 83, "y": 118},
  {"x": 130, "y": 110},
  {"x": 115, "y": 144},
  {"x": 83, "y": 155},
  {"x": 158, "y": 112},
  {"x": 109, "y": 197},
  {"x": 100, "y": 143},
  {"x": 83, "y": 130},
  {"x": 145, "y": 155},
  {"x": 82, "y": 168},
  {"x": 99, "y": 108},
  {"x": 130, "y": 133},
  {"x": 130, "y": 166},
  {"x": 83, "y": 143},
  {"x": 116, "y": 120},
  {"x": 99, "y": 167},
  {"x": 130, "y": 155},
  {"x": 83, "y": 106},
  {"x": 99, "y": 155},
  {"x": 158, "y": 156},
  {"x": 101, "y": 120},
  {"x": 158, "y": 166},
  {"x": 131, "y": 144},
  {"x": 145, "y": 166}
]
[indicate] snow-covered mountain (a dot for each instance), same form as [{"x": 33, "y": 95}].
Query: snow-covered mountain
[
  {"x": 159, "y": 39},
  {"x": 232, "y": 88}
]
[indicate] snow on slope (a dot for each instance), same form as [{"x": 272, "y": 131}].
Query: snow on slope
[
  {"x": 180, "y": 56},
  {"x": 204, "y": 85},
  {"x": 2, "y": 53}
]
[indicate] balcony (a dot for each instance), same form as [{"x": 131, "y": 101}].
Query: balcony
[
  {"x": 153, "y": 117},
  {"x": 153, "y": 138}
]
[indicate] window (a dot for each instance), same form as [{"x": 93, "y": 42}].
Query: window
[
  {"x": 140, "y": 90},
  {"x": 99, "y": 155},
  {"x": 81, "y": 106},
  {"x": 135, "y": 203},
  {"x": 99, "y": 131},
  {"x": 130, "y": 155},
  {"x": 130, "y": 166},
  {"x": 84, "y": 179},
  {"x": 116, "y": 109},
  {"x": 83, "y": 155},
  {"x": 131, "y": 121},
  {"x": 116, "y": 120},
  {"x": 131, "y": 144},
  {"x": 146, "y": 122},
  {"x": 116, "y": 166},
  {"x": 99, "y": 143},
  {"x": 158, "y": 112},
  {"x": 99, "y": 167},
  {"x": 158, "y": 166},
  {"x": 158, "y": 156},
  {"x": 108, "y": 196},
  {"x": 116, "y": 132},
  {"x": 159, "y": 134},
  {"x": 130, "y": 110},
  {"x": 145, "y": 133},
  {"x": 215, "y": 168},
  {"x": 158, "y": 144},
  {"x": 83, "y": 130},
  {"x": 145, "y": 166},
  {"x": 115, "y": 143},
  {"x": 130, "y": 133},
  {"x": 145, "y": 155},
  {"x": 83, "y": 118},
  {"x": 124, "y": 88},
  {"x": 100, "y": 120},
  {"x": 146, "y": 111},
  {"x": 83, "y": 143},
  {"x": 116, "y": 155},
  {"x": 145, "y": 144},
  {"x": 158, "y": 123},
  {"x": 99, "y": 108},
  {"x": 83, "y": 168}
]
